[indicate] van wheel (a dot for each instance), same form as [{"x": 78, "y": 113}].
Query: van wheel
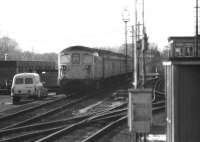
[{"x": 15, "y": 100}]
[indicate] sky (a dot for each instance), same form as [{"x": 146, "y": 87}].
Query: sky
[{"x": 44, "y": 26}]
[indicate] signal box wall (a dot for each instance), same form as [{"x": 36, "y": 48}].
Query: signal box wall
[{"x": 183, "y": 100}]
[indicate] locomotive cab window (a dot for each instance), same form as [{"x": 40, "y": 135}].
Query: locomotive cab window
[
  {"x": 75, "y": 58},
  {"x": 65, "y": 58},
  {"x": 87, "y": 59}
]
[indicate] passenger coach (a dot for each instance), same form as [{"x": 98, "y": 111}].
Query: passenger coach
[{"x": 86, "y": 68}]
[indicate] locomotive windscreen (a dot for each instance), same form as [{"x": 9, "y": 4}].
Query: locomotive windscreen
[
  {"x": 75, "y": 58},
  {"x": 65, "y": 59},
  {"x": 87, "y": 59}
]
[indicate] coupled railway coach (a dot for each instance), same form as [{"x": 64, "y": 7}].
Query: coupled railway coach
[
  {"x": 83, "y": 68},
  {"x": 10, "y": 68}
]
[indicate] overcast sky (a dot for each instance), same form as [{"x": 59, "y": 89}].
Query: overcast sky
[{"x": 52, "y": 25}]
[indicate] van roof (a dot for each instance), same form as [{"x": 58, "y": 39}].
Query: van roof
[{"x": 26, "y": 74}]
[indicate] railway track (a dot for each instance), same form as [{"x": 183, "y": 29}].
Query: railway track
[
  {"x": 10, "y": 120},
  {"x": 106, "y": 129},
  {"x": 81, "y": 128},
  {"x": 36, "y": 125},
  {"x": 87, "y": 131},
  {"x": 56, "y": 129},
  {"x": 45, "y": 114},
  {"x": 31, "y": 132},
  {"x": 103, "y": 113}
]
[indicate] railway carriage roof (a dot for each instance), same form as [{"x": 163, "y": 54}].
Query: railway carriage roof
[{"x": 93, "y": 50}]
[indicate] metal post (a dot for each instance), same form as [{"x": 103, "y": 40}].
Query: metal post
[
  {"x": 196, "y": 37},
  {"x": 143, "y": 48},
  {"x": 125, "y": 18},
  {"x": 133, "y": 50},
  {"x": 138, "y": 51},
  {"x": 135, "y": 61},
  {"x": 126, "y": 47}
]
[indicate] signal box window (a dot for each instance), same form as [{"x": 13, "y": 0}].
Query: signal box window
[{"x": 76, "y": 58}]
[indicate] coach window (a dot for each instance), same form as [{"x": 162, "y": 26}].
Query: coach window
[
  {"x": 87, "y": 59},
  {"x": 75, "y": 58}
]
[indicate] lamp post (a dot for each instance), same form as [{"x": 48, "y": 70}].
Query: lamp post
[{"x": 125, "y": 18}]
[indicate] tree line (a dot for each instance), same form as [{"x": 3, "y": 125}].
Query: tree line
[{"x": 10, "y": 50}]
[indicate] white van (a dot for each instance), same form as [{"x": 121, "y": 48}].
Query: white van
[{"x": 27, "y": 85}]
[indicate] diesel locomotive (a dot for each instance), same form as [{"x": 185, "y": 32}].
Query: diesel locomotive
[{"x": 82, "y": 68}]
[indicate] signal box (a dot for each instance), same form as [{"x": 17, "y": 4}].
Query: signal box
[{"x": 183, "y": 99}]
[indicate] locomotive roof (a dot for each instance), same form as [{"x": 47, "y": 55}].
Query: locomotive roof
[{"x": 84, "y": 48}]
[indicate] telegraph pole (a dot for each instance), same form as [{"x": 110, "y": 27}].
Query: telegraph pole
[
  {"x": 126, "y": 46},
  {"x": 133, "y": 64},
  {"x": 135, "y": 83},
  {"x": 143, "y": 47}
]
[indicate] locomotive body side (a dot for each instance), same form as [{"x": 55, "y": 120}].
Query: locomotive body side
[
  {"x": 114, "y": 66},
  {"x": 88, "y": 68},
  {"x": 98, "y": 68}
]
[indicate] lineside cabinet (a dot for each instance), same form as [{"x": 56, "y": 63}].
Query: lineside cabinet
[{"x": 182, "y": 76}]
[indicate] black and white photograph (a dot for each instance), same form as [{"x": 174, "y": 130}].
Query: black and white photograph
[{"x": 99, "y": 71}]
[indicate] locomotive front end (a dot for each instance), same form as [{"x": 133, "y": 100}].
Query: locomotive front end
[{"x": 75, "y": 69}]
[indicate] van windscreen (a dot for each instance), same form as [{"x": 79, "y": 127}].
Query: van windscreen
[{"x": 19, "y": 81}]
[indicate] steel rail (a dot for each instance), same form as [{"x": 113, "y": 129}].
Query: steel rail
[
  {"x": 37, "y": 118},
  {"x": 80, "y": 124},
  {"x": 111, "y": 117},
  {"x": 107, "y": 114},
  {"x": 110, "y": 126},
  {"x": 6, "y": 117},
  {"x": 10, "y": 116},
  {"x": 51, "y": 125},
  {"x": 31, "y": 135},
  {"x": 35, "y": 134},
  {"x": 40, "y": 125},
  {"x": 104, "y": 130}
]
